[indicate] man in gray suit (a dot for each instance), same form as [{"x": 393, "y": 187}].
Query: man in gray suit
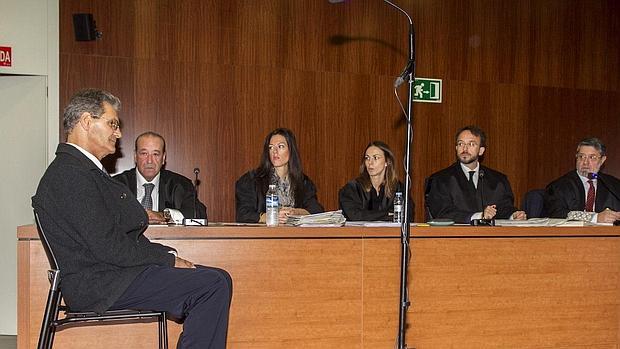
[{"x": 95, "y": 227}]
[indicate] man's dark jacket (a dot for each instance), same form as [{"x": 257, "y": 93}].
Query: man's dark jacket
[
  {"x": 94, "y": 226},
  {"x": 451, "y": 195},
  {"x": 175, "y": 191},
  {"x": 567, "y": 194}
]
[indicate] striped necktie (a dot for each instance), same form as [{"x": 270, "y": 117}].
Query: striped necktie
[
  {"x": 147, "y": 200},
  {"x": 590, "y": 197}
]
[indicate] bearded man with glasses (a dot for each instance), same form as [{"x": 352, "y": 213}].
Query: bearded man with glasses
[{"x": 468, "y": 191}]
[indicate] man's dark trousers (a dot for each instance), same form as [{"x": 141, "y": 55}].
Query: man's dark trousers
[{"x": 201, "y": 297}]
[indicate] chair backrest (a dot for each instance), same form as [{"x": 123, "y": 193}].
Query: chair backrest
[
  {"x": 533, "y": 203},
  {"x": 46, "y": 245}
]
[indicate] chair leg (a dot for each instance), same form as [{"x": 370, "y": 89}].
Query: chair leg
[
  {"x": 161, "y": 337},
  {"x": 46, "y": 336},
  {"x": 50, "y": 340},
  {"x": 163, "y": 332}
]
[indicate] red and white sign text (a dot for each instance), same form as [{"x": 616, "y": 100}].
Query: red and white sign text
[{"x": 6, "y": 58}]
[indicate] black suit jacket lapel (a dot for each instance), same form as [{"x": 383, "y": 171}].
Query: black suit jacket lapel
[
  {"x": 133, "y": 182},
  {"x": 578, "y": 188},
  {"x": 84, "y": 160},
  {"x": 164, "y": 186},
  {"x": 486, "y": 188},
  {"x": 470, "y": 193},
  {"x": 602, "y": 198}
]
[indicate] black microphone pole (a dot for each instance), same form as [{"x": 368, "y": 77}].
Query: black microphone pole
[
  {"x": 409, "y": 73},
  {"x": 483, "y": 221},
  {"x": 404, "y": 228},
  {"x": 594, "y": 175},
  {"x": 196, "y": 172},
  {"x": 480, "y": 179}
]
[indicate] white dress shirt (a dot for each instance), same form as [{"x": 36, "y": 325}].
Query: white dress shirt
[{"x": 140, "y": 182}]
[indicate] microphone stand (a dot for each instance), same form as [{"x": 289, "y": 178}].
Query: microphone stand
[
  {"x": 409, "y": 73},
  {"x": 404, "y": 228},
  {"x": 195, "y": 220},
  {"x": 196, "y": 172},
  {"x": 482, "y": 222},
  {"x": 594, "y": 175}
]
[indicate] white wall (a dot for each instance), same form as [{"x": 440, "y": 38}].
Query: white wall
[
  {"x": 23, "y": 26},
  {"x": 29, "y": 133}
]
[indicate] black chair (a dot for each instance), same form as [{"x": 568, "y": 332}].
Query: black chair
[
  {"x": 533, "y": 203},
  {"x": 54, "y": 305}
]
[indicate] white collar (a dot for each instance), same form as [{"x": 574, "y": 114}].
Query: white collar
[
  {"x": 140, "y": 180},
  {"x": 466, "y": 169},
  {"x": 88, "y": 155},
  {"x": 585, "y": 180}
]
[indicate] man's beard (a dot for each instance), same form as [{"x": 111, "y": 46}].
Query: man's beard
[
  {"x": 472, "y": 159},
  {"x": 584, "y": 172}
]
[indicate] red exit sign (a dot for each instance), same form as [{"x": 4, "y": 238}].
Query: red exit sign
[{"x": 6, "y": 58}]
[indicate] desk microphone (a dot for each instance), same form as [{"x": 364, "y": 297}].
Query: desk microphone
[
  {"x": 484, "y": 222},
  {"x": 480, "y": 178},
  {"x": 594, "y": 175},
  {"x": 195, "y": 220},
  {"x": 196, "y": 172}
]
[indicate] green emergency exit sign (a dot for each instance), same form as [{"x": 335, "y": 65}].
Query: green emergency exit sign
[{"x": 427, "y": 90}]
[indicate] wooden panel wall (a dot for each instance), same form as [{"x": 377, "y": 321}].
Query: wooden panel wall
[{"x": 214, "y": 76}]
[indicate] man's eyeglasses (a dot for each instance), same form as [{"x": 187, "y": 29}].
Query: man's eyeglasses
[
  {"x": 582, "y": 157},
  {"x": 114, "y": 124},
  {"x": 461, "y": 144}
]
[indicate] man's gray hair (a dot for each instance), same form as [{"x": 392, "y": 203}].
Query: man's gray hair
[
  {"x": 87, "y": 101},
  {"x": 594, "y": 142},
  {"x": 149, "y": 134}
]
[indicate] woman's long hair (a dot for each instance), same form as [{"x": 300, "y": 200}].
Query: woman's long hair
[
  {"x": 295, "y": 170},
  {"x": 390, "y": 181}
]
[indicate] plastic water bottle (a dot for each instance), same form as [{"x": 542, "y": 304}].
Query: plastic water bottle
[
  {"x": 272, "y": 204},
  {"x": 398, "y": 208}
]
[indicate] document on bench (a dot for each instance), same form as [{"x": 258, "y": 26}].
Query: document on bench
[
  {"x": 325, "y": 219},
  {"x": 371, "y": 224},
  {"x": 545, "y": 222}
]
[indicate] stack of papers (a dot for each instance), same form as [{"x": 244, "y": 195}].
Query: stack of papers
[
  {"x": 532, "y": 222},
  {"x": 543, "y": 222},
  {"x": 372, "y": 224},
  {"x": 325, "y": 219}
]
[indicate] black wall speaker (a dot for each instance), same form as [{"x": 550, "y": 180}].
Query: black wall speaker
[{"x": 84, "y": 27}]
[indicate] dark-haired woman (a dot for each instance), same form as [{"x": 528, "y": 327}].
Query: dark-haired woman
[
  {"x": 370, "y": 197},
  {"x": 280, "y": 165}
]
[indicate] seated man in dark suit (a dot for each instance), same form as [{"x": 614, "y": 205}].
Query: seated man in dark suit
[
  {"x": 467, "y": 190},
  {"x": 169, "y": 193},
  {"x": 585, "y": 194},
  {"x": 95, "y": 227}
]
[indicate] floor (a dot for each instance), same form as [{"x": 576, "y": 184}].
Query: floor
[{"x": 8, "y": 342}]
